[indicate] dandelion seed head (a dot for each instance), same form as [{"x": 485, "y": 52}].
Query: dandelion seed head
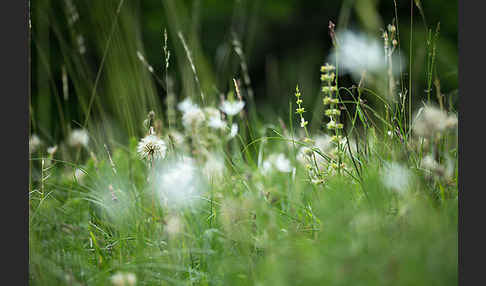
[
  {"x": 178, "y": 182},
  {"x": 52, "y": 150},
  {"x": 186, "y": 105},
  {"x": 214, "y": 118},
  {"x": 193, "y": 117},
  {"x": 152, "y": 147},
  {"x": 396, "y": 177},
  {"x": 234, "y": 130},
  {"x": 214, "y": 167},
  {"x": 34, "y": 143},
  {"x": 123, "y": 279},
  {"x": 174, "y": 225},
  {"x": 232, "y": 108},
  {"x": 78, "y": 138},
  {"x": 277, "y": 162},
  {"x": 431, "y": 120},
  {"x": 359, "y": 52}
]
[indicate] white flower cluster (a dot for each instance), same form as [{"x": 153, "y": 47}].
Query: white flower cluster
[
  {"x": 276, "y": 162},
  {"x": 396, "y": 177},
  {"x": 193, "y": 116},
  {"x": 431, "y": 120},
  {"x": 123, "y": 279},
  {"x": 34, "y": 143},
  {"x": 78, "y": 138},
  {"x": 178, "y": 182},
  {"x": 232, "y": 108}
]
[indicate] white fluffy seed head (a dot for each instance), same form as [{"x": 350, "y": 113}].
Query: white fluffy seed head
[
  {"x": 186, "y": 105},
  {"x": 78, "y": 138},
  {"x": 431, "y": 120},
  {"x": 396, "y": 177},
  {"x": 277, "y": 162},
  {"x": 193, "y": 117},
  {"x": 123, "y": 279},
  {"x": 152, "y": 147},
  {"x": 234, "y": 130},
  {"x": 34, "y": 143},
  {"x": 178, "y": 182},
  {"x": 232, "y": 108}
]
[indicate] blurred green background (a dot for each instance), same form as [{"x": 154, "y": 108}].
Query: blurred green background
[{"x": 284, "y": 42}]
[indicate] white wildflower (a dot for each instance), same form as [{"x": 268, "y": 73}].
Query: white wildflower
[
  {"x": 78, "y": 138},
  {"x": 174, "y": 225},
  {"x": 216, "y": 122},
  {"x": 234, "y": 130},
  {"x": 277, "y": 161},
  {"x": 359, "y": 53},
  {"x": 212, "y": 112},
  {"x": 193, "y": 117},
  {"x": 232, "y": 107},
  {"x": 52, "y": 150},
  {"x": 178, "y": 182},
  {"x": 214, "y": 167},
  {"x": 396, "y": 177},
  {"x": 34, "y": 143},
  {"x": 123, "y": 279},
  {"x": 429, "y": 163},
  {"x": 431, "y": 120},
  {"x": 186, "y": 105},
  {"x": 152, "y": 147}
]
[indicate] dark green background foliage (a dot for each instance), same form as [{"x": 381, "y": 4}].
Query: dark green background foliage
[{"x": 285, "y": 42}]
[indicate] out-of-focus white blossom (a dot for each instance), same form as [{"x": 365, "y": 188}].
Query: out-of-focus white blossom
[
  {"x": 431, "y": 120},
  {"x": 178, "y": 182},
  {"x": 232, "y": 108},
  {"x": 234, "y": 130},
  {"x": 396, "y": 177},
  {"x": 358, "y": 52},
  {"x": 193, "y": 117},
  {"x": 78, "y": 138},
  {"x": 123, "y": 279},
  {"x": 278, "y": 162},
  {"x": 34, "y": 143}
]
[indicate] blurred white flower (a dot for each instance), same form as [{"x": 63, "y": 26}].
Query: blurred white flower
[
  {"x": 123, "y": 279},
  {"x": 193, "y": 117},
  {"x": 212, "y": 112},
  {"x": 396, "y": 177},
  {"x": 234, "y": 130},
  {"x": 428, "y": 162},
  {"x": 216, "y": 122},
  {"x": 152, "y": 147},
  {"x": 78, "y": 138},
  {"x": 52, "y": 150},
  {"x": 359, "y": 52},
  {"x": 34, "y": 143},
  {"x": 186, "y": 105},
  {"x": 214, "y": 167},
  {"x": 232, "y": 107},
  {"x": 174, "y": 225},
  {"x": 176, "y": 137},
  {"x": 430, "y": 120},
  {"x": 178, "y": 182},
  {"x": 278, "y": 162}
]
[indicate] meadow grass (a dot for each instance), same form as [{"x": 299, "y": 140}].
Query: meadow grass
[{"x": 227, "y": 192}]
